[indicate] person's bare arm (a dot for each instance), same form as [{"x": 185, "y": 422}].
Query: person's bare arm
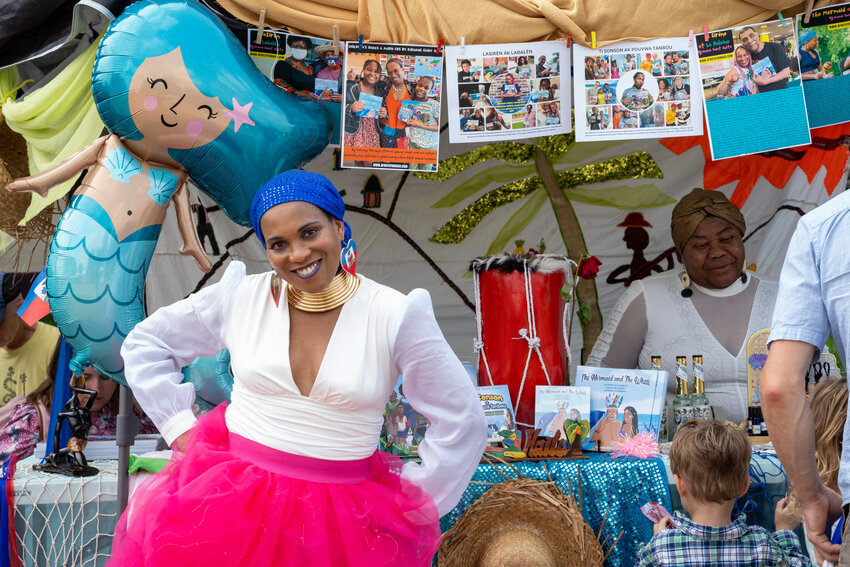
[{"x": 792, "y": 431}]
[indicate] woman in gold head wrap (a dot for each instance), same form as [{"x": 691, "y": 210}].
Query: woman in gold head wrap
[{"x": 709, "y": 306}]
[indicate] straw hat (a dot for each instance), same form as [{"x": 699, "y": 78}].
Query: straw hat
[{"x": 521, "y": 522}]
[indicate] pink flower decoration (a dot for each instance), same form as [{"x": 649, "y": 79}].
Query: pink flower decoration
[{"x": 642, "y": 446}]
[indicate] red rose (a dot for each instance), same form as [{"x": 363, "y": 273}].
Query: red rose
[{"x": 589, "y": 268}]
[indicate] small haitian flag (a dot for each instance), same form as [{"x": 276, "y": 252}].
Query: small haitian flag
[{"x": 35, "y": 306}]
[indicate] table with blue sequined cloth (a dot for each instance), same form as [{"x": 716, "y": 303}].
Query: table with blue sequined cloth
[{"x": 616, "y": 487}]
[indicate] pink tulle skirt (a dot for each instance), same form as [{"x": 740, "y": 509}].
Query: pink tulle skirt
[{"x": 231, "y": 501}]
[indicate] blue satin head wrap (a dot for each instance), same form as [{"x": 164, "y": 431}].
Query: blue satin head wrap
[{"x": 298, "y": 185}]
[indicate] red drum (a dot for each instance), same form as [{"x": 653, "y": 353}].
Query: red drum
[{"x": 520, "y": 316}]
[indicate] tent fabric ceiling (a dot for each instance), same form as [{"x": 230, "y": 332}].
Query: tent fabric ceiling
[{"x": 507, "y": 21}]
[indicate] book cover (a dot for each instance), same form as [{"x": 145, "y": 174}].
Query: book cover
[
  {"x": 562, "y": 409},
  {"x": 403, "y": 427},
  {"x": 496, "y": 403},
  {"x": 326, "y": 88},
  {"x": 623, "y": 403},
  {"x": 472, "y": 124},
  {"x": 373, "y": 105},
  {"x": 762, "y": 65}
]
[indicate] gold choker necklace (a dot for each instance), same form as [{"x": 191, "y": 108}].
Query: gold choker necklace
[{"x": 342, "y": 288}]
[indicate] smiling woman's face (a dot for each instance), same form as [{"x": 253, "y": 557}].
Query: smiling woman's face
[
  {"x": 714, "y": 254},
  {"x": 302, "y": 244},
  {"x": 167, "y": 107}
]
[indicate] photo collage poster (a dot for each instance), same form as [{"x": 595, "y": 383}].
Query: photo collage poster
[
  {"x": 824, "y": 54},
  {"x": 391, "y": 106},
  {"x": 308, "y": 67},
  {"x": 507, "y": 92},
  {"x": 636, "y": 90},
  {"x": 752, "y": 89}
]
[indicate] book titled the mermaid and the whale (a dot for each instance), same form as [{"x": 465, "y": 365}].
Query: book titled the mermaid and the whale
[{"x": 623, "y": 403}]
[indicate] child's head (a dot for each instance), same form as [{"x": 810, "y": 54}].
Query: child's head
[
  {"x": 423, "y": 87},
  {"x": 829, "y": 410},
  {"x": 712, "y": 458}
]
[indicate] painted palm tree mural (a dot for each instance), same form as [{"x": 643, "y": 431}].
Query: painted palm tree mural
[{"x": 545, "y": 170}]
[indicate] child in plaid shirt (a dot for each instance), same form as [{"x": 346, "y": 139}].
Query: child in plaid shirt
[{"x": 710, "y": 463}]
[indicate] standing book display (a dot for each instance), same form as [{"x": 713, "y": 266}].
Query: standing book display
[
  {"x": 623, "y": 403},
  {"x": 403, "y": 427}
]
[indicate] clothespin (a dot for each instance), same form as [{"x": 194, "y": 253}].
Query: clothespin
[
  {"x": 569, "y": 40},
  {"x": 336, "y": 39},
  {"x": 361, "y": 43},
  {"x": 782, "y": 19},
  {"x": 808, "y": 15},
  {"x": 691, "y": 38},
  {"x": 260, "y": 26},
  {"x": 705, "y": 32},
  {"x": 439, "y": 47},
  {"x": 593, "y": 40},
  {"x": 462, "y": 45}
]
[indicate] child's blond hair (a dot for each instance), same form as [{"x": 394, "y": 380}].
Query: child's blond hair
[
  {"x": 829, "y": 411},
  {"x": 712, "y": 458}
]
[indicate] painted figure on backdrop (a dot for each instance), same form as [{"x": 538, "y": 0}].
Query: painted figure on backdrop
[{"x": 636, "y": 238}]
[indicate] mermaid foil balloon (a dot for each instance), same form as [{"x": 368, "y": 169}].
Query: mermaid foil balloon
[{"x": 182, "y": 100}]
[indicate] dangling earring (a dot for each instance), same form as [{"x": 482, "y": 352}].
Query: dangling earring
[
  {"x": 348, "y": 256},
  {"x": 686, "y": 282},
  {"x": 744, "y": 273}
]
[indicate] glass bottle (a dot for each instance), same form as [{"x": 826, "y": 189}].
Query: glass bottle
[
  {"x": 682, "y": 409},
  {"x": 699, "y": 401},
  {"x": 655, "y": 360}
]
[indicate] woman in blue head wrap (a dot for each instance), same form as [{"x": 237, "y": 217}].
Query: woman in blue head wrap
[{"x": 315, "y": 351}]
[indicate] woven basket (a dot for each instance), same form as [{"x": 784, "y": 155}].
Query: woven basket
[{"x": 521, "y": 522}]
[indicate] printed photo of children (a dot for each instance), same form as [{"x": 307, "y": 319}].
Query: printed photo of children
[
  {"x": 653, "y": 117},
  {"x": 600, "y": 92},
  {"x": 623, "y": 62},
  {"x": 469, "y": 71},
  {"x": 391, "y": 107},
  {"x": 494, "y": 66},
  {"x": 472, "y": 120},
  {"x": 495, "y": 120}
]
